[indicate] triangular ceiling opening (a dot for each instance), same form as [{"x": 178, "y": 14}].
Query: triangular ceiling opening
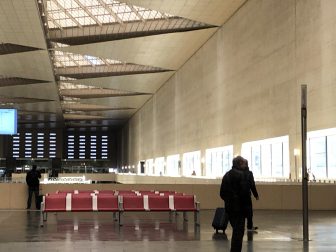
[{"x": 90, "y": 21}]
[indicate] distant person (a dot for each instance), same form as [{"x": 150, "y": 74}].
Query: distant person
[
  {"x": 33, "y": 183},
  {"x": 253, "y": 189},
  {"x": 193, "y": 173},
  {"x": 235, "y": 192}
]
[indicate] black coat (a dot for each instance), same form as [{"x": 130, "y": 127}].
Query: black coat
[
  {"x": 235, "y": 191},
  {"x": 32, "y": 178},
  {"x": 252, "y": 184}
]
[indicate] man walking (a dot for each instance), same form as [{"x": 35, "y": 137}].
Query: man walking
[{"x": 235, "y": 191}]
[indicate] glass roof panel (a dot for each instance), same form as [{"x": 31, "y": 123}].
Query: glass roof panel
[
  {"x": 67, "y": 78},
  {"x": 87, "y": 12},
  {"x": 128, "y": 16},
  {"x": 62, "y": 59},
  {"x": 86, "y": 21},
  {"x": 82, "y": 62},
  {"x": 59, "y": 45},
  {"x": 111, "y": 62},
  {"x": 68, "y": 63},
  {"x": 150, "y": 14},
  {"x": 70, "y": 99},
  {"x": 51, "y": 25},
  {"x": 66, "y": 22},
  {"x": 69, "y": 85},
  {"x": 106, "y": 19},
  {"x": 78, "y": 13},
  {"x": 138, "y": 8},
  {"x": 57, "y": 64},
  {"x": 119, "y": 8},
  {"x": 70, "y": 59},
  {"x": 52, "y": 6},
  {"x": 89, "y": 2},
  {"x": 94, "y": 60},
  {"x": 56, "y": 15},
  {"x": 68, "y": 4},
  {"x": 98, "y": 10},
  {"x": 110, "y": 1}
]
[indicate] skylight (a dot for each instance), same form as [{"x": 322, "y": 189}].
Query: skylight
[
  {"x": 77, "y": 13},
  {"x": 68, "y": 85},
  {"x": 65, "y": 59}
]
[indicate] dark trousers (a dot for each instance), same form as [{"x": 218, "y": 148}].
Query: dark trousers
[
  {"x": 34, "y": 190},
  {"x": 249, "y": 217},
  {"x": 237, "y": 222}
]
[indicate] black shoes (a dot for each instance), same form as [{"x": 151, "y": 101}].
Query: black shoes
[{"x": 252, "y": 229}]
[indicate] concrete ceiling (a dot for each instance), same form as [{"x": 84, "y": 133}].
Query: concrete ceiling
[
  {"x": 168, "y": 51},
  {"x": 147, "y": 59},
  {"x": 214, "y": 12}
]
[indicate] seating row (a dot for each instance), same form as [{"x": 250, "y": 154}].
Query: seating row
[{"x": 92, "y": 202}]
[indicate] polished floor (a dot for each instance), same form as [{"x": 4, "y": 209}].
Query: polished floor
[{"x": 278, "y": 231}]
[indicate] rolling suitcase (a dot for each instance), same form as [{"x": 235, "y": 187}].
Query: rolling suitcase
[{"x": 220, "y": 220}]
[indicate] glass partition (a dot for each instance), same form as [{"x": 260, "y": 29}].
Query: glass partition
[
  {"x": 173, "y": 165},
  {"x": 321, "y": 153},
  {"x": 218, "y": 161},
  {"x": 192, "y": 164},
  {"x": 149, "y": 167},
  {"x": 268, "y": 158},
  {"x": 159, "y": 166}
]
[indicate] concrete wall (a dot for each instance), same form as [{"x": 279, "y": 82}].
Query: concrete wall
[{"x": 244, "y": 83}]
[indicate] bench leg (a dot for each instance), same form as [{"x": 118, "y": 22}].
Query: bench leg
[
  {"x": 41, "y": 219},
  {"x": 115, "y": 216},
  {"x": 197, "y": 218},
  {"x": 95, "y": 220},
  {"x": 185, "y": 216},
  {"x": 120, "y": 219},
  {"x": 197, "y": 214},
  {"x": 170, "y": 217},
  {"x": 75, "y": 224}
]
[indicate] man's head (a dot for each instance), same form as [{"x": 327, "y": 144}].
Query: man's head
[
  {"x": 245, "y": 165},
  {"x": 34, "y": 167},
  {"x": 239, "y": 163}
]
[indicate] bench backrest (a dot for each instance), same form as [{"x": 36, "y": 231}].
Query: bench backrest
[
  {"x": 55, "y": 203},
  {"x": 132, "y": 203},
  {"x": 158, "y": 203},
  {"x": 81, "y": 202},
  {"x": 107, "y": 202},
  {"x": 185, "y": 203}
]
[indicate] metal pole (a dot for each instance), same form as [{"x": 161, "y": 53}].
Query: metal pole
[
  {"x": 296, "y": 170},
  {"x": 304, "y": 163}
]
